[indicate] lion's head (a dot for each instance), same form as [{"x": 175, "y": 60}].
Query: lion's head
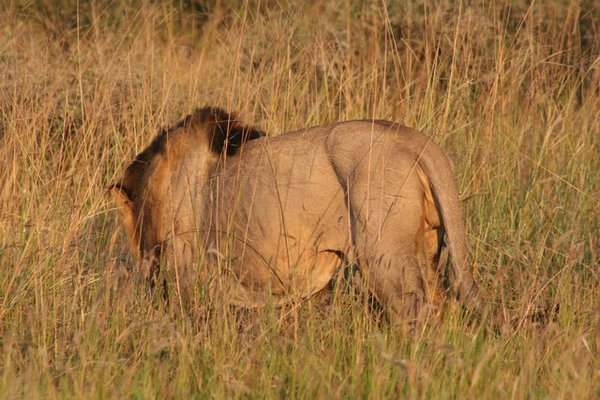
[{"x": 142, "y": 193}]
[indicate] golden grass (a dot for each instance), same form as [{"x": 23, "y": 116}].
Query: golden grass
[{"x": 510, "y": 89}]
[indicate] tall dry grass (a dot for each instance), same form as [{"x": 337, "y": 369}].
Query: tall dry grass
[{"x": 510, "y": 89}]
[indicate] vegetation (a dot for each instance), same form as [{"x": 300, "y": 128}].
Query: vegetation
[{"x": 510, "y": 89}]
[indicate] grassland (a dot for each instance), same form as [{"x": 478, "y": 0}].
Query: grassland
[{"x": 510, "y": 89}]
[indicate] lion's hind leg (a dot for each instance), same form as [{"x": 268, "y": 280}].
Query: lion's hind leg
[
  {"x": 386, "y": 207},
  {"x": 397, "y": 280}
]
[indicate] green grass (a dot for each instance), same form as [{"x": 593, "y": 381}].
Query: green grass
[{"x": 510, "y": 89}]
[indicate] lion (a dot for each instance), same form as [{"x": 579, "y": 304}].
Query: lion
[{"x": 271, "y": 219}]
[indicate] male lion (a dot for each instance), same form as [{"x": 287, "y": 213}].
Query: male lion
[{"x": 277, "y": 216}]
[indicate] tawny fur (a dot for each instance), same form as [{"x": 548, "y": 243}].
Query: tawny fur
[{"x": 271, "y": 218}]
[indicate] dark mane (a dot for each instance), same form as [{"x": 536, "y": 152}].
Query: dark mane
[{"x": 225, "y": 133}]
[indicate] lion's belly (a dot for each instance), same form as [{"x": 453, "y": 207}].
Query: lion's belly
[
  {"x": 286, "y": 222},
  {"x": 288, "y": 250},
  {"x": 297, "y": 256}
]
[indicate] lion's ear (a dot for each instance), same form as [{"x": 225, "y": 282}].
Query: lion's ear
[
  {"x": 120, "y": 195},
  {"x": 124, "y": 203}
]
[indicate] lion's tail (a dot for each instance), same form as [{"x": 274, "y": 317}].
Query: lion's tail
[{"x": 440, "y": 172}]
